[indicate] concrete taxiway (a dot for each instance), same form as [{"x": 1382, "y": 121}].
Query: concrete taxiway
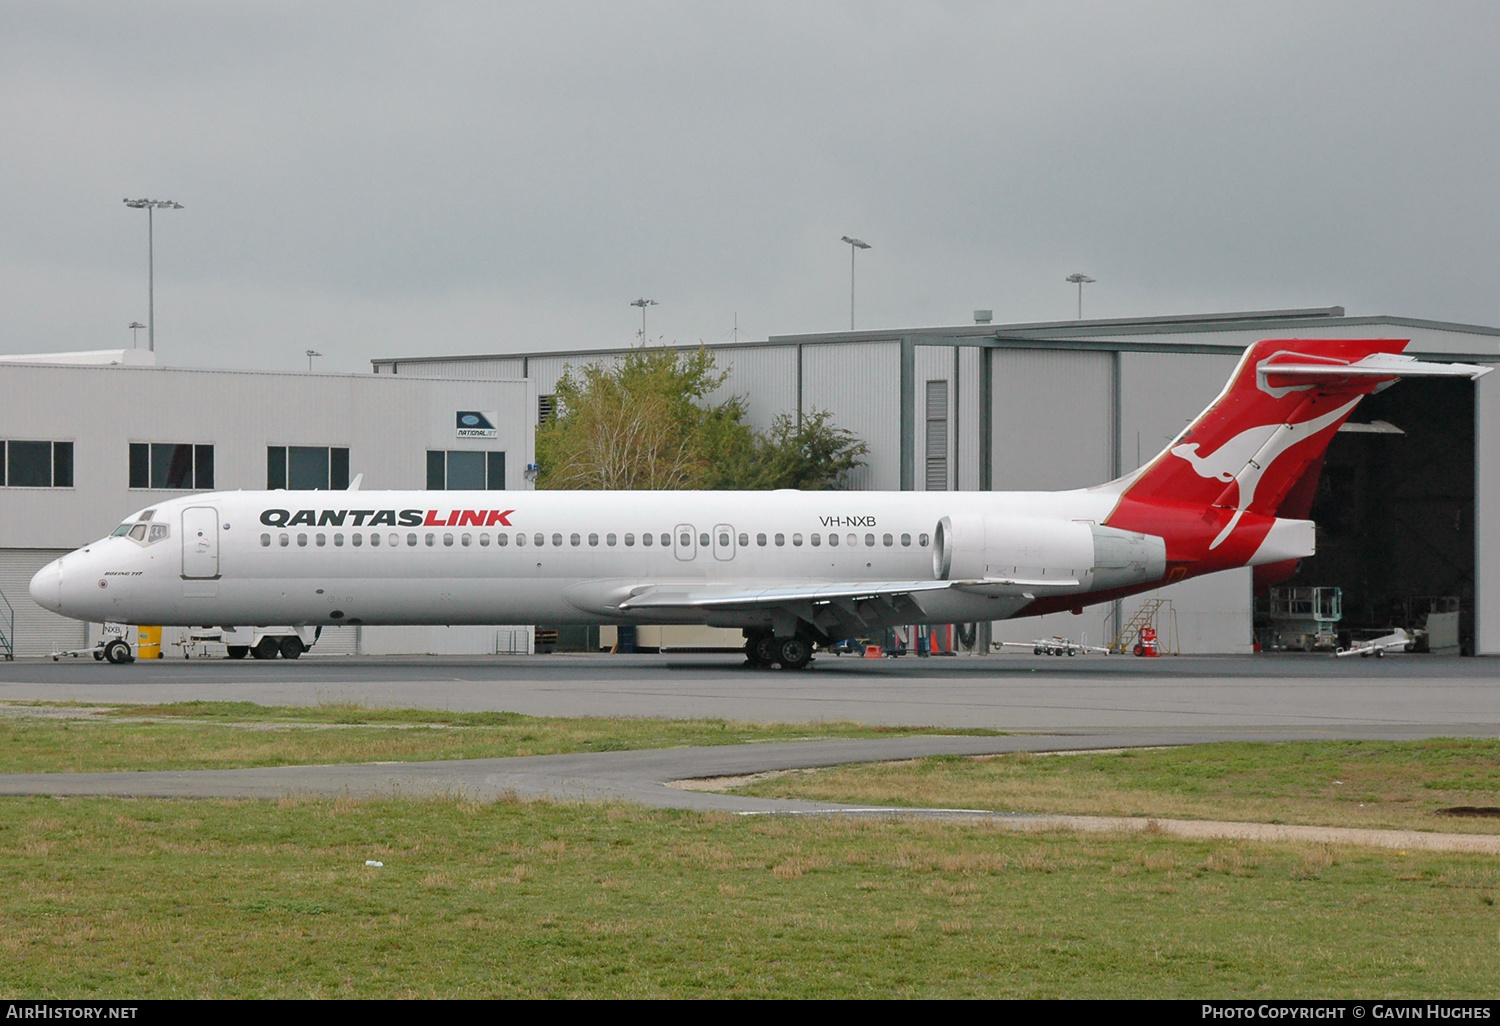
[{"x": 1023, "y": 692}]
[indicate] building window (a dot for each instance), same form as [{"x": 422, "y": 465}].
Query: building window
[
  {"x": 464, "y": 470},
  {"x": 306, "y": 468},
  {"x": 546, "y": 407},
  {"x": 937, "y": 436},
  {"x": 36, "y": 464},
  {"x": 171, "y": 465}
]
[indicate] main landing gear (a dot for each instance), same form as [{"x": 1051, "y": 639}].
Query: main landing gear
[{"x": 764, "y": 650}]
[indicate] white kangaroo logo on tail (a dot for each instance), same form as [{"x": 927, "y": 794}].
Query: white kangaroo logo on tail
[{"x": 1248, "y": 455}]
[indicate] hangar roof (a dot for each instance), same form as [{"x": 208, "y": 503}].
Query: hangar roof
[{"x": 1105, "y": 332}]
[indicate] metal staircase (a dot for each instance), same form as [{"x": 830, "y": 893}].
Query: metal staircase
[
  {"x": 1147, "y": 616},
  {"x": 7, "y": 629}
]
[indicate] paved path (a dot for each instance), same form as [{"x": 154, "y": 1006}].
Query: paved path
[{"x": 638, "y": 776}]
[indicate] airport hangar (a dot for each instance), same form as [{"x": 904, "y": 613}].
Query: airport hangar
[
  {"x": 88, "y": 438},
  {"x": 1402, "y": 508}
]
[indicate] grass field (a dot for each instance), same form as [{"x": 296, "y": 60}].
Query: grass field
[
  {"x": 38, "y": 738},
  {"x": 150, "y": 898},
  {"x": 1327, "y": 783},
  {"x": 116, "y": 898}
]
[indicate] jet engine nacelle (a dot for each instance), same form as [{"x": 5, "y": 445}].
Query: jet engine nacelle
[{"x": 973, "y": 547}]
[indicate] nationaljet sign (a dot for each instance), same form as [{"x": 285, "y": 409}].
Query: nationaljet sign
[{"x": 386, "y": 518}]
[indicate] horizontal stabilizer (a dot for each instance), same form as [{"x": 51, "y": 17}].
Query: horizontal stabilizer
[{"x": 1290, "y": 370}]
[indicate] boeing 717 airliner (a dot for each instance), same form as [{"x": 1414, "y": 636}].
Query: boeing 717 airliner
[{"x": 792, "y": 569}]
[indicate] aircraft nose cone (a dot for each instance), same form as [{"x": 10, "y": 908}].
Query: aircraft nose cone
[{"x": 46, "y": 586}]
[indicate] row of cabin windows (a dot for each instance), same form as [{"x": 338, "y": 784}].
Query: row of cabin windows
[{"x": 502, "y": 539}]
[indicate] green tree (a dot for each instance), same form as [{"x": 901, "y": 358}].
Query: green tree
[{"x": 646, "y": 422}]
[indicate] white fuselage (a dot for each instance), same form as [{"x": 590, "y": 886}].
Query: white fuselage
[{"x": 559, "y": 557}]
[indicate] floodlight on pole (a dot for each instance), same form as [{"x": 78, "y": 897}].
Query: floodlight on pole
[
  {"x": 1080, "y": 280},
  {"x": 150, "y": 206},
  {"x": 854, "y": 244},
  {"x": 643, "y": 303},
  {"x": 310, "y": 354},
  {"x": 135, "y": 327}
]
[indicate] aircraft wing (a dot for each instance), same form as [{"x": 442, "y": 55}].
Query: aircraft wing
[{"x": 726, "y": 598}]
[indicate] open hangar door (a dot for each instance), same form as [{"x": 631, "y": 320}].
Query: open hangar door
[{"x": 1395, "y": 511}]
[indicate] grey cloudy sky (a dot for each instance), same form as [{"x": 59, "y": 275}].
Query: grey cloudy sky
[{"x": 413, "y": 179}]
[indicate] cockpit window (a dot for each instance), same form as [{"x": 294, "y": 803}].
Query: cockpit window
[
  {"x": 120, "y": 531},
  {"x": 146, "y": 515},
  {"x": 158, "y": 532},
  {"x": 138, "y": 532}
]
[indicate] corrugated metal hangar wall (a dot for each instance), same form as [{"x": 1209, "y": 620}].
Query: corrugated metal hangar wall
[{"x": 1051, "y": 406}]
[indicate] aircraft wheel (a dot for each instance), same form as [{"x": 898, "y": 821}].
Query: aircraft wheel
[
  {"x": 794, "y": 653},
  {"x": 292, "y": 647},
  {"x": 98, "y": 655},
  {"x": 267, "y": 648},
  {"x": 759, "y": 650},
  {"x": 1380, "y": 653},
  {"x": 237, "y": 651},
  {"x": 118, "y": 652}
]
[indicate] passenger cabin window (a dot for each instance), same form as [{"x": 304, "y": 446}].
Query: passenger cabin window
[
  {"x": 797, "y": 540},
  {"x": 760, "y": 540},
  {"x": 307, "y": 468},
  {"x": 816, "y": 540},
  {"x": 887, "y": 541},
  {"x": 906, "y": 539},
  {"x": 922, "y": 541},
  {"x": 465, "y": 470},
  {"x": 37, "y": 465},
  {"x": 629, "y": 540},
  {"x": 780, "y": 540}
]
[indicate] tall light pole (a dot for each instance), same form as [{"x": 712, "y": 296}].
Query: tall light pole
[
  {"x": 135, "y": 327},
  {"x": 151, "y": 206},
  {"x": 853, "y": 245},
  {"x": 310, "y": 354},
  {"x": 1080, "y": 280},
  {"x": 643, "y": 303}
]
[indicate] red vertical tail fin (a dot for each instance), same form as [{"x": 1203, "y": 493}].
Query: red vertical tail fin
[{"x": 1215, "y": 491}]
